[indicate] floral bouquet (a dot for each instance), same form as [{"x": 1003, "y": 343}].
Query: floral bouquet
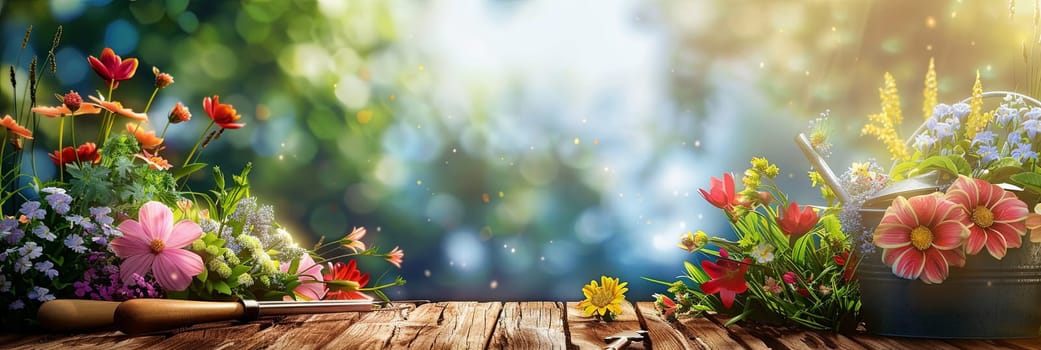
[
  {"x": 964, "y": 223},
  {"x": 790, "y": 264},
  {"x": 116, "y": 222}
]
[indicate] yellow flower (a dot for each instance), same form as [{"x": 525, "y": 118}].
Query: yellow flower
[
  {"x": 693, "y": 241},
  {"x": 883, "y": 125},
  {"x": 604, "y": 299},
  {"x": 929, "y": 92},
  {"x": 977, "y": 120}
]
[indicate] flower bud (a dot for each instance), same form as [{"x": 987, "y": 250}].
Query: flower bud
[
  {"x": 72, "y": 100},
  {"x": 179, "y": 114},
  {"x": 161, "y": 79}
]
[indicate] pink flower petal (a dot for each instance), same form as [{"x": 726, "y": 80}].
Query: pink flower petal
[
  {"x": 996, "y": 245},
  {"x": 183, "y": 234},
  {"x": 909, "y": 263},
  {"x": 949, "y": 234},
  {"x": 130, "y": 245},
  {"x": 132, "y": 229},
  {"x": 728, "y": 297},
  {"x": 174, "y": 268},
  {"x": 976, "y": 240},
  {"x": 892, "y": 235},
  {"x": 935, "y": 269},
  {"x": 156, "y": 219},
  {"x": 138, "y": 264},
  {"x": 1011, "y": 232},
  {"x": 954, "y": 257}
]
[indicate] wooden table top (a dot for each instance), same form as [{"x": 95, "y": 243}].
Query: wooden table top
[{"x": 476, "y": 325}]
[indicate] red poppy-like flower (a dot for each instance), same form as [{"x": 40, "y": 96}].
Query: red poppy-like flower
[
  {"x": 996, "y": 218},
  {"x": 12, "y": 126},
  {"x": 721, "y": 193},
  {"x": 87, "y": 152},
  {"x": 728, "y": 278},
  {"x": 346, "y": 272},
  {"x": 794, "y": 222},
  {"x": 920, "y": 237},
  {"x": 668, "y": 307},
  {"x": 223, "y": 114},
  {"x": 113, "y": 68}
]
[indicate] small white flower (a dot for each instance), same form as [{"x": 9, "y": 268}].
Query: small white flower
[{"x": 763, "y": 253}]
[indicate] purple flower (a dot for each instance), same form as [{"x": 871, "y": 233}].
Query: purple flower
[
  {"x": 5, "y": 285},
  {"x": 987, "y": 154},
  {"x": 960, "y": 110},
  {"x": 1034, "y": 113},
  {"x": 30, "y": 250},
  {"x": 82, "y": 288},
  {"x": 58, "y": 200},
  {"x": 924, "y": 141},
  {"x": 23, "y": 264},
  {"x": 75, "y": 242},
  {"x": 1004, "y": 115},
  {"x": 32, "y": 210},
  {"x": 1023, "y": 151},
  {"x": 985, "y": 137},
  {"x": 41, "y": 294},
  {"x": 14, "y": 236},
  {"x": 1032, "y": 126},
  {"x": 941, "y": 110},
  {"x": 100, "y": 215},
  {"x": 44, "y": 232},
  {"x": 16, "y": 305},
  {"x": 47, "y": 268},
  {"x": 1014, "y": 138},
  {"x": 943, "y": 130}
]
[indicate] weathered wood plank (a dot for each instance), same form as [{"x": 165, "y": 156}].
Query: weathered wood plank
[
  {"x": 587, "y": 333},
  {"x": 300, "y": 332},
  {"x": 456, "y": 325},
  {"x": 662, "y": 334},
  {"x": 878, "y": 342},
  {"x": 974, "y": 344},
  {"x": 530, "y": 325},
  {"x": 113, "y": 340},
  {"x": 710, "y": 335},
  {"x": 212, "y": 336},
  {"x": 797, "y": 338},
  {"x": 740, "y": 334}
]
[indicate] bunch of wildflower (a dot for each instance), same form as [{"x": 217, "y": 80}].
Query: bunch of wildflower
[
  {"x": 861, "y": 181},
  {"x": 45, "y": 249},
  {"x": 101, "y": 281},
  {"x": 791, "y": 261}
]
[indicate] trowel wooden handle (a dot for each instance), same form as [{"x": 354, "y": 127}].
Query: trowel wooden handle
[
  {"x": 137, "y": 316},
  {"x": 68, "y": 315}
]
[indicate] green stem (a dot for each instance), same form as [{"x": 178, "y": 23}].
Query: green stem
[
  {"x": 197, "y": 143},
  {"x": 61, "y": 135},
  {"x": 106, "y": 122},
  {"x": 163, "y": 135},
  {"x": 149, "y": 104}
]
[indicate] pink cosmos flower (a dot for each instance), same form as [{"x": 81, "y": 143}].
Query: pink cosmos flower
[
  {"x": 153, "y": 242},
  {"x": 721, "y": 193},
  {"x": 995, "y": 217},
  {"x": 309, "y": 272},
  {"x": 921, "y": 237},
  {"x": 395, "y": 256}
]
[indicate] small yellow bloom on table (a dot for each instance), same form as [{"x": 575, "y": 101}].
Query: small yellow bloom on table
[{"x": 604, "y": 300}]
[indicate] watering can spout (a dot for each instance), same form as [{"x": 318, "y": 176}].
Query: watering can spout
[{"x": 822, "y": 167}]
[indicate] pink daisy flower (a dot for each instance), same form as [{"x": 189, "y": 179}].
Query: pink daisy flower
[
  {"x": 996, "y": 218},
  {"x": 921, "y": 237},
  {"x": 153, "y": 242}
]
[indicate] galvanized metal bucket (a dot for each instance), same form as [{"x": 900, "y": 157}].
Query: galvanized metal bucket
[{"x": 987, "y": 298}]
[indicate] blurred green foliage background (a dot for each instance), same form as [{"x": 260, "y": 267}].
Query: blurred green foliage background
[{"x": 517, "y": 149}]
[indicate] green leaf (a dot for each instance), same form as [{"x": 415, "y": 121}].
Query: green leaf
[
  {"x": 1028, "y": 180},
  {"x": 941, "y": 163},
  {"x": 188, "y": 170},
  {"x": 961, "y": 164},
  {"x": 222, "y": 287},
  {"x": 901, "y": 170}
]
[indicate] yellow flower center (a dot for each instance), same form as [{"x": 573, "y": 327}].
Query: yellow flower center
[
  {"x": 157, "y": 246},
  {"x": 921, "y": 237},
  {"x": 602, "y": 297},
  {"x": 983, "y": 217}
]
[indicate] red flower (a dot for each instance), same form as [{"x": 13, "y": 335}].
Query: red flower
[
  {"x": 844, "y": 259},
  {"x": 721, "y": 193},
  {"x": 223, "y": 114},
  {"x": 346, "y": 272},
  {"x": 796, "y": 223},
  {"x": 668, "y": 307},
  {"x": 112, "y": 68},
  {"x": 86, "y": 152},
  {"x": 789, "y": 277},
  {"x": 728, "y": 278}
]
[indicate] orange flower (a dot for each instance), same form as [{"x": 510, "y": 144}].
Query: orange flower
[
  {"x": 72, "y": 104},
  {"x": 223, "y": 114},
  {"x": 113, "y": 68},
  {"x": 158, "y": 163},
  {"x": 161, "y": 79},
  {"x": 179, "y": 114},
  {"x": 146, "y": 138},
  {"x": 87, "y": 152},
  {"x": 116, "y": 107},
  {"x": 13, "y": 126}
]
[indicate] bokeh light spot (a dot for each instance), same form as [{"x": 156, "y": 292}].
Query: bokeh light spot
[
  {"x": 71, "y": 69},
  {"x": 121, "y": 36},
  {"x": 364, "y": 116}
]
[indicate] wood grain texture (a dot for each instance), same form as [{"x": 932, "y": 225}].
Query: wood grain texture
[
  {"x": 530, "y": 325},
  {"x": 456, "y": 325},
  {"x": 662, "y": 334},
  {"x": 588, "y": 333}
]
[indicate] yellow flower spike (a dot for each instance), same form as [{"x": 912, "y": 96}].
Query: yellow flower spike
[
  {"x": 604, "y": 300},
  {"x": 929, "y": 94},
  {"x": 977, "y": 120}
]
